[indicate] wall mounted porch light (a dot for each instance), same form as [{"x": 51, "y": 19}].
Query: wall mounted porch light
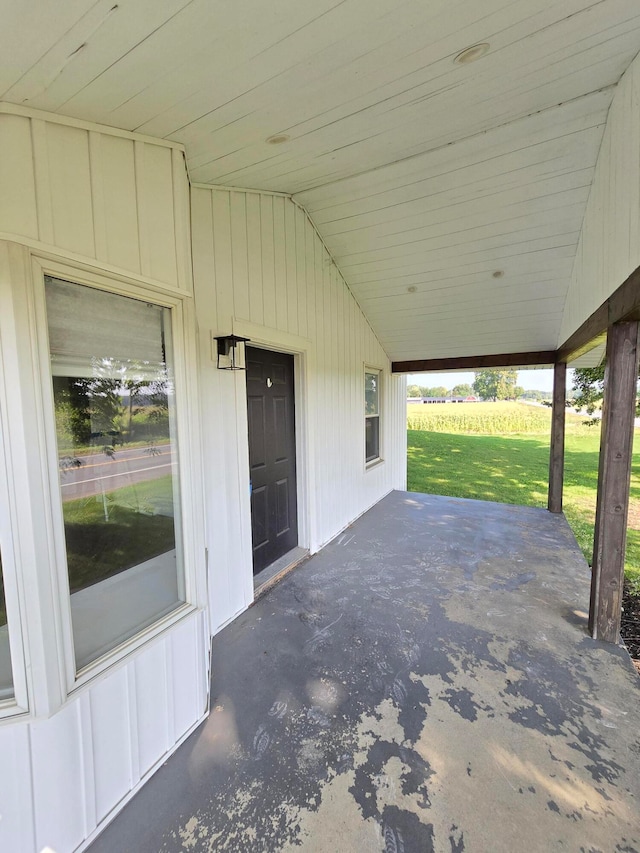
[{"x": 230, "y": 352}]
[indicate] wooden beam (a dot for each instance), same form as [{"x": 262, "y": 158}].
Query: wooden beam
[
  {"x": 476, "y": 362},
  {"x": 623, "y": 304},
  {"x": 556, "y": 453},
  {"x": 616, "y": 441}
]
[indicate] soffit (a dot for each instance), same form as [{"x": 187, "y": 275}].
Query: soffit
[{"x": 418, "y": 172}]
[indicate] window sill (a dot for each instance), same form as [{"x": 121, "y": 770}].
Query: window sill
[{"x": 373, "y": 463}]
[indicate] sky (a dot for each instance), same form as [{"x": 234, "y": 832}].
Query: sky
[{"x": 530, "y": 380}]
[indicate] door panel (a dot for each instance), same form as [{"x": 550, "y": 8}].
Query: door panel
[{"x": 272, "y": 455}]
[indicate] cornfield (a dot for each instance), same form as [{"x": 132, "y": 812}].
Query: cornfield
[{"x": 479, "y": 418}]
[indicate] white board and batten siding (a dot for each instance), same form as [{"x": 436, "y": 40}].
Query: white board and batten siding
[
  {"x": 90, "y": 194},
  {"x": 261, "y": 269},
  {"x": 63, "y": 776},
  {"x": 609, "y": 245},
  {"x": 114, "y": 204}
]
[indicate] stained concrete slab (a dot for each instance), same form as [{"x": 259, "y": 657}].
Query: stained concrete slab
[{"x": 425, "y": 683}]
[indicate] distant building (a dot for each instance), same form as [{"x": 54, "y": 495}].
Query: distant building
[{"x": 470, "y": 399}]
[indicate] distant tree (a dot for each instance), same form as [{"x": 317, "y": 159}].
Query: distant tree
[
  {"x": 495, "y": 384},
  {"x": 413, "y": 391},
  {"x": 439, "y": 391},
  {"x": 463, "y": 390},
  {"x": 518, "y": 392},
  {"x": 588, "y": 388}
]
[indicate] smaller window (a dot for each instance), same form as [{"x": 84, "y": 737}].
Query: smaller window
[{"x": 372, "y": 415}]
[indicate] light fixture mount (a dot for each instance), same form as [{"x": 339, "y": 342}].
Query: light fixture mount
[
  {"x": 278, "y": 138},
  {"x": 470, "y": 54}
]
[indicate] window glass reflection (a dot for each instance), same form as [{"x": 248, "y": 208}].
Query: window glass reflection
[{"x": 112, "y": 374}]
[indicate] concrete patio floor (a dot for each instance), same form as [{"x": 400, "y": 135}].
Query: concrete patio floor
[{"x": 425, "y": 683}]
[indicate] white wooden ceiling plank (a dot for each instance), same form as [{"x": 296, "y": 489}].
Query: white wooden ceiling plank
[
  {"x": 557, "y": 52},
  {"x": 389, "y": 233},
  {"x": 451, "y": 117},
  {"x": 485, "y": 335},
  {"x": 476, "y": 213},
  {"x": 109, "y": 31},
  {"x": 462, "y": 248},
  {"x": 482, "y": 252},
  {"x": 235, "y": 39},
  {"x": 447, "y": 283},
  {"x": 450, "y": 233},
  {"x": 555, "y": 124},
  {"x": 577, "y": 141},
  {"x": 395, "y": 47},
  {"x": 491, "y": 334},
  {"x": 304, "y": 51},
  {"x": 477, "y": 307},
  {"x": 483, "y": 329},
  {"x": 400, "y": 309},
  {"x": 218, "y": 40},
  {"x": 526, "y": 262},
  {"x": 417, "y": 215},
  {"x": 47, "y": 24},
  {"x": 431, "y": 179},
  {"x": 399, "y": 327},
  {"x": 553, "y": 157},
  {"x": 441, "y": 289},
  {"x": 421, "y": 29},
  {"x": 378, "y": 98}
]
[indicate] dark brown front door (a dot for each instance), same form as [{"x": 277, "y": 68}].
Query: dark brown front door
[{"x": 272, "y": 455}]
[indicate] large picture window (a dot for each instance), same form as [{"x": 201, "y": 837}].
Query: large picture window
[
  {"x": 372, "y": 415},
  {"x": 114, "y": 400}
]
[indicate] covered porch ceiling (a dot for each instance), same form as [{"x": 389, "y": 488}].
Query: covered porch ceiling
[{"x": 450, "y": 193}]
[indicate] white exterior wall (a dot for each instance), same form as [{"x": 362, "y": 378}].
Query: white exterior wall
[
  {"x": 106, "y": 203},
  {"x": 112, "y": 204},
  {"x": 119, "y": 201},
  {"x": 61, "y": 777},
  {"x": 261, "y": 269},
  {"x": 609, "y": 244}
]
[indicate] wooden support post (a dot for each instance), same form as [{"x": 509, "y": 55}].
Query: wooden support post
[
  {"x": 556, "y": 454},
  {"x": 618, "y": 413}
]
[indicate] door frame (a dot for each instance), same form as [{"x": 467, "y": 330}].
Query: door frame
[{"x": 263, "y": 337}]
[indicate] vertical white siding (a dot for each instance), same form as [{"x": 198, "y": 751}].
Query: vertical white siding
[
  {"x": 110, "y": 198},
  {"x": 609, "y": 245},
  {"x": 62, "y": 776},
  {"x": 120, "y": 204},
  {"x": 259, "y": 265}
]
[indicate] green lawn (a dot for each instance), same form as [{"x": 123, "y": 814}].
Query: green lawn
[
  {"x": 514, "y": 467},
  {"x": 107, "y": 536}
]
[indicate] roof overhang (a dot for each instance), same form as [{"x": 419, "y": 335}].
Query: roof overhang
[{"x": 450, "y": 194}]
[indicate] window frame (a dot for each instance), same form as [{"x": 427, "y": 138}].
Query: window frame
[
  {"x": 375, "y": 460},
  {"x": 180, "y": 304},
  {"x": 18, "y": 704}
]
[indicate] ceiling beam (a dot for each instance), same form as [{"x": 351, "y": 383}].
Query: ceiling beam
[
  {"x": 623, "y": 304},
  {"x": 541, "y": 358}
]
